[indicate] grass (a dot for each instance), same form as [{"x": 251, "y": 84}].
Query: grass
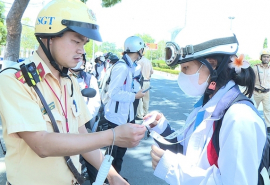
[{"x": 176, "y": 72}]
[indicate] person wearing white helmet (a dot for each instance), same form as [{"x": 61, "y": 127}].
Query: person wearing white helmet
[
  {"x": 119, "y": 109},
  {"x": 223, "y": 139},
  {"x": 46, "y": 135},
  {"x": 262, "y": 85},
  {"x": 99, "y": 68}
]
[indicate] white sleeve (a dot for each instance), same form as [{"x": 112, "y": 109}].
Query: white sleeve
[
  {"x": 94, "y": 103},
  {"x": 242, "y": 138},
  {"x": 119, "y": 74}
]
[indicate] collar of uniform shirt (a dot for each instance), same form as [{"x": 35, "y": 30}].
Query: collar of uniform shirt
[
  {"x": 36, "y": 59},
  {"x": 264, "y": 66}
]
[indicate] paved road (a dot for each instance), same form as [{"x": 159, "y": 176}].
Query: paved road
[{"x": 165, "y": 97}]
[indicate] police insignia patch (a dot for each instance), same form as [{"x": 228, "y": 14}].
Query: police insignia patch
[
  {"x": 92, "y": 15},
  {"x": 51, "y": 106}
]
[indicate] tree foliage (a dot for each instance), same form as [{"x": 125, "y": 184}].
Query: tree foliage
[
  {"x": 88, "y": 48},
  {"x": 28, "y": 39},
  {"x": 3, "y": 30},
  {"x": 106, "y": 47},
  {"x": 146, "y": 38},
  {"x": 109, "y": 3},
  {"x": 84, "y": 1},
  {"x": 265, "y": 43}
]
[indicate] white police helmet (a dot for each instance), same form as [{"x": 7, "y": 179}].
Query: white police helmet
[
  {"x": 98, "y": 54},
  {"x": 133, "y": 44}
]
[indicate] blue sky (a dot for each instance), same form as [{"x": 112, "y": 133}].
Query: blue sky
[{"x": 158, "y": 17}]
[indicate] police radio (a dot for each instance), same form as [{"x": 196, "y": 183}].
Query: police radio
[{"x": 30, "y": 74}]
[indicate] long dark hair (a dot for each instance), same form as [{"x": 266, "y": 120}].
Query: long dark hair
[{"x": 245, "y": 78}]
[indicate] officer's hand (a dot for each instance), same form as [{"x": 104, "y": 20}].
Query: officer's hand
[
  {"x": 129, "y": 135},
  {"x": 158, "y": 116},
  {"x": 156, "y": 154},
  {"x": 139, "y": 94}
]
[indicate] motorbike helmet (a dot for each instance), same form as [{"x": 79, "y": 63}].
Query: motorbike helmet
[
  {"x": 59, "y": 16},
  {"x": 134, "y": 44},
  {"x": 199, "y": 44}
]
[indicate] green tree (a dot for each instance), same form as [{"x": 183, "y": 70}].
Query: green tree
[
  {"x": 265, "y": 43},
  {"x": 146, "y": 38},
  {"x": 28, "y": 39},
  {"x": 3, "y": 30},
  {"x": 109, "y": 3},
  {"x": 106, "y": 47},
  {"x": 160, "y": 51},
  {"x": 89, "y": 49}
]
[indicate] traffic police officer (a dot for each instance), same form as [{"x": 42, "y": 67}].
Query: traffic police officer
[
  {"x": 34, "y": 151},
  {"x": 262, "y": 85}
]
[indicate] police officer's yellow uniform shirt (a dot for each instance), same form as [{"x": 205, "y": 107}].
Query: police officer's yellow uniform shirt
[
  {"x": 264, "y": 73},
  {"x": 262, "y": 81},
  {"x": 21, "y": 110}
]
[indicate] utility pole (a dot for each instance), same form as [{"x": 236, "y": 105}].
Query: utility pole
[
  {"x": 231, "y": 18},
  {"x": 93, "y": 52}
]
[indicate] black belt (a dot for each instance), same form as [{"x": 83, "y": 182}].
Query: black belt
[
  {"x": 146, "y": 80},
  {"x": 261, "y": 90}
]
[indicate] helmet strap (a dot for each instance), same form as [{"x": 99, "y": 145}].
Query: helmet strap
[
  {"x": 213, "y": 76},
  {"x": 64, "y": 71},
  {"x": 139, "y": 54}
]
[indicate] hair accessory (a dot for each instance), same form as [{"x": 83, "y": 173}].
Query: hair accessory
[{"x": 238, "y": 63}]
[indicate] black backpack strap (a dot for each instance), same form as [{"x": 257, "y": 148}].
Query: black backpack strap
[
  {"x": 218, "y": 123},
  {"x": 241, "y": 97},
  {"x": 96, "y": 71},
  {"x": 109, "y": 79},
  {"x": 259, "y": 76}
]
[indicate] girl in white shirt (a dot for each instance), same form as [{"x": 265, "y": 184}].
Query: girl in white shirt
[{"x": 211, "y": 69}]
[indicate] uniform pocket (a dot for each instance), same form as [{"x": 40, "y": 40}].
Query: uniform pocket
[{"x": 58, "y": 119}]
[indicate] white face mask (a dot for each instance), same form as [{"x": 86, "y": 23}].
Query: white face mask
[
  {"x": 78, "y": 66},
  {"x": 189, "y": 84}
]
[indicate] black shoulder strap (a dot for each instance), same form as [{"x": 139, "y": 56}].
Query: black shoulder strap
[
  {"x": 96, "y": 71},
  {"x": 218, "y": 123},
  {"x": 109, "y": 79},
  {"x": 259, "y": 76},
  {"x": 69, "y": 162}
]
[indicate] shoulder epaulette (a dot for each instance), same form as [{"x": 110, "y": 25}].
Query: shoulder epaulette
[{"x": 40, "y": 70}]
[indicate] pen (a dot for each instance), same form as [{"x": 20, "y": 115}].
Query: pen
[{"x": 74, "y": 102}]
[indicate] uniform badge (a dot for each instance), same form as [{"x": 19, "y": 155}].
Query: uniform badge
[
  {"x": 20, "y": 77},
  {"x": 92, "y": 15},
  {"x": 51, "y": 106},
  {"x": 40, "y": 70}
]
